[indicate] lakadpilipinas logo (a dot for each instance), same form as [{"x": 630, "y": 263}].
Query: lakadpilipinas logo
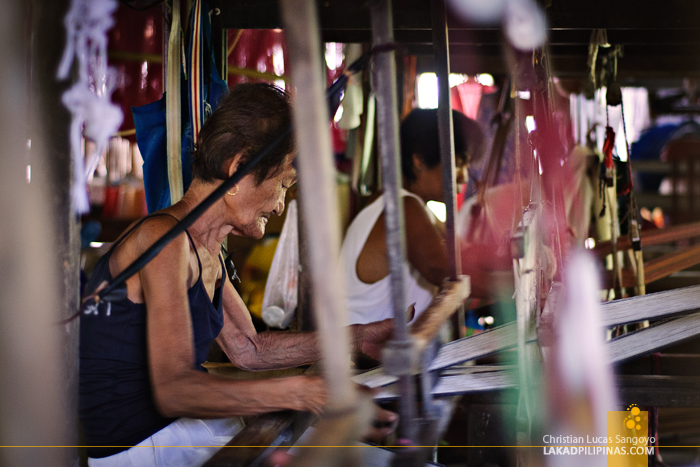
[{"x": 629, "y": 444}]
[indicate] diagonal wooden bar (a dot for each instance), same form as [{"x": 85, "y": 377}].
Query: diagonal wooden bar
[
  {"x": 668, "y": 264},
  {"x": 427, "y": 326},
  {"x": 661, "y": 267},
  {"x": 653, "y": 237},
  {"x": 255, "y": 440}
]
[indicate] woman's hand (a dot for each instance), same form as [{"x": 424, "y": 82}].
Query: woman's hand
[
  {"x": 370, "y": 338},
  {"x": 383, "y": 425},
  {"x": 309, "y": 393}
]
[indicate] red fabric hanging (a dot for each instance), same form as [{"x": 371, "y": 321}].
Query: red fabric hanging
[
  {"x": 139, "y": 81},
  {"x": 608, "y": 146},
  {"x": 255, "y": 50}
]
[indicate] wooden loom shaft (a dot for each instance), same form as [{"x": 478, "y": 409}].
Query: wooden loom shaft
[
  {"x": 252, "y": 442},
  {"x": 661, "y": 267},
  {"x": 653, "y": 237},
  {"x": 427, "y": 326},
  {"x": 265, "y": 430}
]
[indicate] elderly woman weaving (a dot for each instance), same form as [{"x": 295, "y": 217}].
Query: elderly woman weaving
[{"x": 141, "y": 378}]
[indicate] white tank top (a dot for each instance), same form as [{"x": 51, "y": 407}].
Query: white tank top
[{"x": 372, "y": 302}]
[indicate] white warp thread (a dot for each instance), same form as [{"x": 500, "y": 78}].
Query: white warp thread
[{"x": 89, "y": 99}]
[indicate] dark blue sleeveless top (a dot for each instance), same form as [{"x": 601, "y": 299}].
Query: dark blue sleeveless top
[{"x": 115, "y": 401}]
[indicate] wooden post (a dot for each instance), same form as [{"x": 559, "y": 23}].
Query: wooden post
[
  {"x": 51, "y": 117},
  {"x": 39, "y": 252},
  {"x": 316, "y": 183},
  {"x": 441, "y": 49}
]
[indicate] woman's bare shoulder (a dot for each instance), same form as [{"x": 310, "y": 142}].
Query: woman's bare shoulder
[
  {"x": 140, "y": 236},
  {"x": 415, "y": 211}
]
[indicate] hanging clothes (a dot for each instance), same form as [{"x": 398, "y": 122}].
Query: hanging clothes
[{"x": 150, "y": 119}]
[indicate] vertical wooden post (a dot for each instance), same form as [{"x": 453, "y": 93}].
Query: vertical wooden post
[
  {"x": 52, "y": 118},
  {"x": 304, "y": 315},
  {"x": 447, "y": 147},
  {"x": 397, "y": 356},
  {"x": 317, "y": 190},
  {"x": 39, "y": 249}
]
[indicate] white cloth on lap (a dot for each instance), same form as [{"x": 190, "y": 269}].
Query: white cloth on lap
[{"x": 187, "y": 442}]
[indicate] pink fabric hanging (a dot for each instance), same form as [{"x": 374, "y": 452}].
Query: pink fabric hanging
[{"x": 466, "y": 98}]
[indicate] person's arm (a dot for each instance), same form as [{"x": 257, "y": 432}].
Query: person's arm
[
  {"x": 425, "y": 245},
  {"x": 178, "y": 388},
  {"x": 254, "y": 351},
  {"x": 426, "y": 251}
]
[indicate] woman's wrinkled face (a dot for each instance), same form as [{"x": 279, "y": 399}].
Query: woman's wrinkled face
[{"x": 252, "y": 205}]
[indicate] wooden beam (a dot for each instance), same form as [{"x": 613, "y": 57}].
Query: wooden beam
[
  {"x": 659, "y": 391},
  {"x": 555, "y": 37},
  {"x": 623, "y": 14},
  {"x": 660, "y": 267},
  {"x": 653, "y": 237},
  {"x": 661, "y": 39},
  {"x": 572, "y": 66},
  {"x": 415, "y": 14},
  {"x": 252, "y": 443}
]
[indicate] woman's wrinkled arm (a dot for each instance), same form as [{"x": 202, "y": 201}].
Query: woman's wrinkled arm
[
  {"x": 254, "y": 351},
  {"x": 276, "y": 350},
  {"x": 178, "y": 388}
]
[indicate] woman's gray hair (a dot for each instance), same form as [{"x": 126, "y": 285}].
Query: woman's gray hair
[{"x": 245, "y": 121}]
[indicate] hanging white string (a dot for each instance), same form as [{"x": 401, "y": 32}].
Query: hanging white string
[{"x": 89, "y": 99}]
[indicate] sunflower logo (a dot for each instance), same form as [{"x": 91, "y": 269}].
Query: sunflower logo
[{"x": 633, "y": 419}]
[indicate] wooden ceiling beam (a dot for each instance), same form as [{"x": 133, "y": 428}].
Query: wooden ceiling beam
[
  {"x": 415, "y": 14},
  {"x": 660, "y": 39},
  {"x": 572, "y": 66},
  {"x": 484, "y": 36},
  {"x": 651, "y": 52}
]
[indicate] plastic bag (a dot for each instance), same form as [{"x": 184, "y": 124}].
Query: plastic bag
[{"x": 280, "y": 299}]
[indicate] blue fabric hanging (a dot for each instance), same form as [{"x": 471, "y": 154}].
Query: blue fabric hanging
[{"x": 150, "y": 122}]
